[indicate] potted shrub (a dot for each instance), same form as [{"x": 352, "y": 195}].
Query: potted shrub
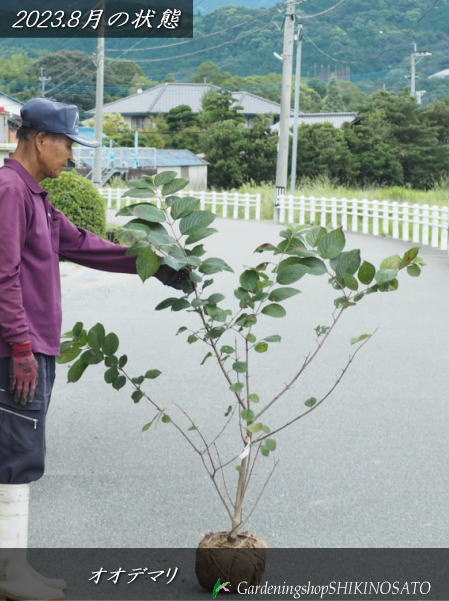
[{"x": 170, "y": 231}]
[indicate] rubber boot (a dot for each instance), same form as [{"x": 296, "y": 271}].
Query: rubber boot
[{"x": 17, "y": 580}]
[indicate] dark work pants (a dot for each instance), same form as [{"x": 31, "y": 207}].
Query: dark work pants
[{"x": 22, "y": 429}]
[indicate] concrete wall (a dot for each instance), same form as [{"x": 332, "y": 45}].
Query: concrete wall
[{"x": 6, "y": 150}]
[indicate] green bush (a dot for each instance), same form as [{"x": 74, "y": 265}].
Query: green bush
[{"x": 79, "y": 200}]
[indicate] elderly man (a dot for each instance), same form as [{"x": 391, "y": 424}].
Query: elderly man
[{"x": 33, "y": 235}]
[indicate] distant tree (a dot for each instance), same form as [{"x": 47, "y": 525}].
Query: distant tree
[
  {"x": 219, "y": 106},
  {"x": 259, "y": 151},
  {"x": 333, "y": 101},
  {"x": 180, "y": 117},
  {"x": 223, "y": 144}
]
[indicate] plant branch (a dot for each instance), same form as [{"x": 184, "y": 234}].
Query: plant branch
[
  {"x": 329, "y": 392},
  {"x": 261, "y": 493}
]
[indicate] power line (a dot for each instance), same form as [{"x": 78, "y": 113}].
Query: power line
[
  {"x": 323, "y": 12},
  {"x": 208, "y": 35}
]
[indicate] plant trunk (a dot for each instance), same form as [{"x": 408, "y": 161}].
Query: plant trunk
[{"x": 239, "y": 497}]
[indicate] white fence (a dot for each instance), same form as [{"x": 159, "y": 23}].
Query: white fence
[
  {"x": 223, "y": 204},
  {"x": 418, "y": 223}
]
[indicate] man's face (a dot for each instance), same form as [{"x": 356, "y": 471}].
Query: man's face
[{"x": 54, "y": 152}]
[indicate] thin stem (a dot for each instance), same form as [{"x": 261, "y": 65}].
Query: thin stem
[
  {"x": 260, "y": 494},
  {"x": 308, "y": 360},
  {"x": 344, "y": 370}
]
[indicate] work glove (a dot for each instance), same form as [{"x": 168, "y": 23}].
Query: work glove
[
  {"x": 23, "y": 373},
  {"x": 176, "y": 279}
]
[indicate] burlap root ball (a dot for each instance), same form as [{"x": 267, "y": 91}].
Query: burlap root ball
[{"x": 243, "y": 561}]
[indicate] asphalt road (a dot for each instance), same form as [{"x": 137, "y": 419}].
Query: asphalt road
[{"x": 366, "y": 469}]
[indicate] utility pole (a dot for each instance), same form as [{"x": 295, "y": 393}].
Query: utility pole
[
  {"x": 414, "y": 55},
  {"x": 299, "y": 37},
  {"x": 284, "y": 123},
  {"x": 96, "y": 171},
  {"x": 43, "y": 81}
]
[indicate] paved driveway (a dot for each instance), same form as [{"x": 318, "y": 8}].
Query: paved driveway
[{"x": 368, "y": 468}]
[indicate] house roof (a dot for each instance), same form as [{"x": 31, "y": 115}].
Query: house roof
[
  {"x": 10, "y": 97},
  {"x": 164, "y": 97},
  {"x": 335, "y": 119},
  {"x": 440, "y": 74},
  {"x": 166, "y": 157}
]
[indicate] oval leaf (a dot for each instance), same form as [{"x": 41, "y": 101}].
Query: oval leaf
[
  {"x": 164, "y": 178},
  {"x": 110, "y": 344},
  {"x": 274, "y": 310},
  {"x": 281, "y": 294},
  {"x": 198, "y": 220}
]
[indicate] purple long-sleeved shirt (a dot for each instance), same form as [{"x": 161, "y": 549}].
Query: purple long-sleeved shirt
[{"x": 33, "y": 235}]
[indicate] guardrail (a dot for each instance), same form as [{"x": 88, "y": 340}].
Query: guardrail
[
  {"x": 223, "y": 204},
  {"x": 420, "y": 223}
]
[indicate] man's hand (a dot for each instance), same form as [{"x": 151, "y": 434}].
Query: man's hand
[
  {"x": 176, "y": 279},
  {"x": 23, "y": 372}
]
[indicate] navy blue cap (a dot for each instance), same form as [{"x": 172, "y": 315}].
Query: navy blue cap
[{"x": 54, "y": 117}]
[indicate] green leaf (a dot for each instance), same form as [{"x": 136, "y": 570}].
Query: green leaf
[
  {"x": 274, "y": 310},
  {"x": 366, "y": 272},
  {"x": 228, "y": 411},
  {"x": 192, "y": 338},
  {"x": 237, "y": 387},
  {"x": 206, "y": 358},
  {"x": 249, "y": 280},
  {"x": 111, "y": 361},
  {"x": 200, "y": 234},
  {"x": 240, "y": 367},
  {"x": 313, "y": 234},
  {"x": 360, "y": 338},
  {"x": 408, "y": 257},
  {"x": 310, "y": 402},
  {"x": 110, "y": 344},
  {"x": 198, "y": 251},
  {"x": 77, "y": 329},
  {"x": 137, "y": 193},
  {"x": 290, "y": 270},
  {"x": 147, "y": 263},
  {"x": 392, "y": 262},
  {"x": 247, "y": 415},
  {"x": 68, "y": 355},
  {"x": 214, "y": 265},
  {"x": 138, "y": 380},
  {"x": 174, "y": 186},
  {"x": 149, "y": 424},
  {"x": 76, "y": 371},
  {"x": 182, "y": 207},
  {"x": 179, "y": 304},
  {"x": 261, "y": 347},
  {"x": 314, "y": 265},
  {"x": 346, "y": 262},
  {"x": 414, "y": 270},
  {"x": 227, "y": 349},
  {"x": 198, "y": 220},
  {"x": 151, "y": 374},
  {"x": 254, "y": 427},
  {"x": 264, "y": 247},
  {"x": 254, "y": 398},
  {"x": 92, "y": 357},
  {"x": 181, "y": 329},
  {"x": 331, "y": 244},
  {"x": 111, "y": 374},
  {"x": 192, "y": 428},
  {"x": 166, "y": 419},
  {"x": 270, "y": 444},
  {"x": 383, "y": 276},
  {"x": 274, "y": 338},
  {"x": 168, "y": 302},
  {"x": 119, "y": 382},
  {"x": 281, "y": 294},
  {"x": 137, "y": 395},
  {"x": 163, "y": 178},
  {"x": 96, "y": 336},
  {"x": 148, "y": 212},
  {"x": 215, "y": 298},
  {"x": 350, "y": 281},
  {"x": 123, "y": 361},
  {"x": 250, "y": 338}
]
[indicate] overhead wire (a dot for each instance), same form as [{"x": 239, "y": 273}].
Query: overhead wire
[{"x": 323, "y": 12}]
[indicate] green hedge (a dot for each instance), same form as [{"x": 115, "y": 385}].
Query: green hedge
[{"x": 79, "y": 200}]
